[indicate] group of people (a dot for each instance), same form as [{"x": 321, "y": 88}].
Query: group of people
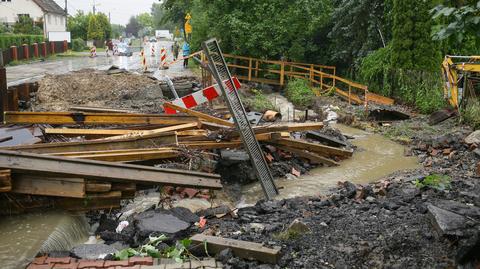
[{"x": 185, "y": 52}]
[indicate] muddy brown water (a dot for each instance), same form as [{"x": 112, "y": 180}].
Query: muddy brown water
[
  {"x": 23, "y": 236},
  {"x": 375, "y": 157}
]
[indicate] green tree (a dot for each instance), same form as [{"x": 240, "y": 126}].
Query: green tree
[
  {"x": 359, "y": 27},
  {"x": 412, "y": 46},
  {"x": 78, "y": 25},
  {"x": 25, "y": 25},
  {"x": 158, "y": 17},
  {"x": 117, "y": 30},
  {"x": 95, "y": 31},
  {"x": 104, "y": 25},
  {"x": 133, "y": 27}
]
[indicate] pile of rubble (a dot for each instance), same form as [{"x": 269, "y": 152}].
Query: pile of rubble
[{"x": 87, "y": 160}]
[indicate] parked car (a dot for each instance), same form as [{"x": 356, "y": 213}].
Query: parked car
[
  {"x": 153, "y": 39},
  {"x": 124, "y": 50}
]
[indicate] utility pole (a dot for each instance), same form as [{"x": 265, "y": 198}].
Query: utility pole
[
  {"x": 66, "y": 14},
  {"x": 109, "y": 18},
  {"x": 93, "y": 7}
]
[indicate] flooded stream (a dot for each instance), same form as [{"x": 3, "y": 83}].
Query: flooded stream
[
  {"x": 23, "y": 236},
  {"x": 375, "y": 157}
]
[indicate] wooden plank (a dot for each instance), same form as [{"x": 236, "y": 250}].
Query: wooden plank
[
  {"x": 371, "y": 97},
  {"x": 100, "y": 109},
  {"x": 130, "y": 156},
  {"x": 23, "y": 162},
  {"x": 352, "y": 97},
  {"x": 75, "y": 153},
  {"x": 92, "y": 186},
  {"x": 314, "y": 158},
  {"x": 108, "y": 132},
  {"x": 242, "y": 249},
  {"x": 317, "y": 148},
  {"x": 99, "y": 145},
  {"x": 199, "y": 115},
  {"x": 48, "y": 186},
  {"x": 328, "y": 140},
  {"x": 143, "y": 133},
  {"x": 5, "y": 181},
  {"x": 212, "y": 145},
  {"x": 12, "y": 117}
]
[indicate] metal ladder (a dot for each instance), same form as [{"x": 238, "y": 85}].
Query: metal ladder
[{"x": 222, "y": 75}]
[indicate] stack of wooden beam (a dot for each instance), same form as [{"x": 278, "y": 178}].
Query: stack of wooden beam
[{"x": 95, "y": 171}]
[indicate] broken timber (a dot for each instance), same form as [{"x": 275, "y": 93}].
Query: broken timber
[
  {"x": 199, "y": 115},
  {"x": 98, "y": 145},
  {"x": 11, "y": 117},
  {"x": 316, "y": 148},
  {"x": 314, "y": 158},
  {"x": 241, "y": 249},
  {"x": 180, "y": 127},
  {"x": 133, "y": 156},
  {"x": 21, "y": 162},
  {"x": 326, "y": 139},
  {"x": 48, "y": 186},
  {"x": 109, "y": 132}
]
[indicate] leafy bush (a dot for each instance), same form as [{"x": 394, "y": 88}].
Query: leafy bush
[
  {"x": 471, "y": 115},
  {"x": 78, "y": 44},
  {"x": 435, "y": 181},
  {"x": 299, "y": 93},
  {"x": 258, "y": 101},
  {"x": 8, "y": 40},
  {"x": 419, "y": 88}
]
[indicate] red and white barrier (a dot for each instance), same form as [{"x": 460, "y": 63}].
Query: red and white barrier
[
  {"x": 163, "y": 57},
  {"x": 199, "y": 97},
  {"x": 153, "y": 49}
]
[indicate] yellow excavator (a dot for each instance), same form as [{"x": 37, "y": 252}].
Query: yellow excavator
[{"x": 461, "y": 76}]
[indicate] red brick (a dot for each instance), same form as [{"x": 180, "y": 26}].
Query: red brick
[
  {"x": 40, "y": 260},
  {"x": 72, "y": 265},
  {"x": 40, "y": 266},
  {"x": 90, "y": 264},
  {"x": 141, "y": 261},
  {"x": 63, "y": 260},
  {"x": 116, "y": 263},
  {"x": 129, "y": 267},
  {"x": 190, "y": 192}
]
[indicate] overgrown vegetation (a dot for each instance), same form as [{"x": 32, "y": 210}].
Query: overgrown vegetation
[
  {"x": 78, "y": 44},
  {"x": 8, "y": 40},
  {"x": 471, "y": 114},
  {"x": 299, "y": 93},
  {"x": 179, "y": 252},
  {"x": 435, "y": 181},
  {"x": 257, "y": 101}
]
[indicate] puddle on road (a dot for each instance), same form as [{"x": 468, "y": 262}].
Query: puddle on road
[
  {"x": 23, "y": 236},
  {"x": 375, "y": 157}
]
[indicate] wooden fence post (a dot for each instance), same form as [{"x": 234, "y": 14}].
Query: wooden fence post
[
  {"x": 256, "y": 68},
  {"x": 311, "y": 75},
  {"x": 282, "y": 74},
  {"x": 250, "y": 69},
  {"x": 44, "y": 49},
  {"x": 52, "y": 47},
  {"x": 349, "y": 94}
]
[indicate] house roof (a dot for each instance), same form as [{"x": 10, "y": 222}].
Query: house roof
[{"x": 49, "y": 6}]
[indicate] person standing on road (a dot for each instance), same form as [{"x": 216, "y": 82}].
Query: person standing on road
[
  {"x": 175, "y": 50},
  {"x": 186, "y": 53}
]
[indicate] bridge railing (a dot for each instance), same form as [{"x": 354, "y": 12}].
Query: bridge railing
[{"x": 322, "y": 78}]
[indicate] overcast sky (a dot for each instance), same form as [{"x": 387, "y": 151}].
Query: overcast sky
[{"x": 121, "y": 10}]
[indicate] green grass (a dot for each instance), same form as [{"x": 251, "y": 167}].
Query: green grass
[{"x": 471, "y": 115}]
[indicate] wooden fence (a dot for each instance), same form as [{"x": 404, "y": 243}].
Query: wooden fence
[{"x": 321, "y": 77}]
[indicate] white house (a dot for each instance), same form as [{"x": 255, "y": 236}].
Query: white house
[{"x": 48, "y": 12}]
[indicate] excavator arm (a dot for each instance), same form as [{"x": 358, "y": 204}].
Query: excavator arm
[{"x": 456, "y": 70}]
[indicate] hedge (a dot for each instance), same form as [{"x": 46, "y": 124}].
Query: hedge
[{"x": 6, "y": 41}]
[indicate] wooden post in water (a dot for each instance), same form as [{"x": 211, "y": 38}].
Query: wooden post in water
[{"x": 3, "y": 87}]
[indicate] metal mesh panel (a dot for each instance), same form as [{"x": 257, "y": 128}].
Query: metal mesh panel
[{"x": 222, "y": 75}]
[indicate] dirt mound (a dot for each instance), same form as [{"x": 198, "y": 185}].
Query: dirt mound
[{"x": 97, "y": 88}]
